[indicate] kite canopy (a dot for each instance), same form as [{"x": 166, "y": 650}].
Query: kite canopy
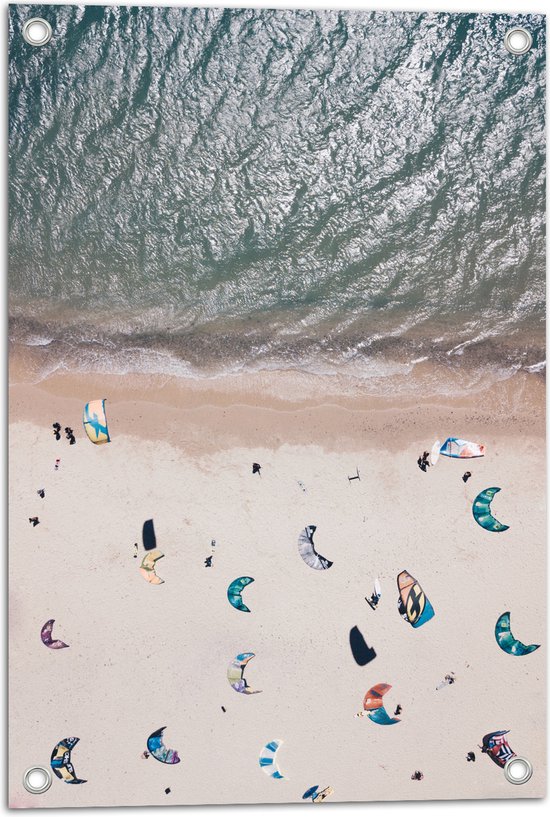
[
  {"x": 381, "y": 716},
  {"x": 60, "y": 761},
  {"x": 322, "y": 795},
  {"x": 235, "y": 673},
  {"x": 461, "y": 449},
  {"x": 413, "y": 601},
  {"x": 307, "y": 550},
  {"x": 46, "y": 636},
  {"x": 373, "y": 698},
  {"x": 95, "y": 422},
  {"x": 360, "y": 650},
  {"x": 497, "y": 747},
  {"x": 268, "y": 760},
  {"x": 147, "y": 567},
  {"x": 148, "y": 535},
  {"x": 506, "y": 640},
  {"x": 481, "y": 510},
  {"x": 159, "y": 751},
  {"x": 373, "y": 704},
  {"x": 235, "y": 590}
]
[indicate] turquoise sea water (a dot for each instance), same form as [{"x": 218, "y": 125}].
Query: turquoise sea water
[{"x": 201, "y": 191}]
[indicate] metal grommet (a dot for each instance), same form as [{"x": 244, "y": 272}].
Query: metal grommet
[
  {"x": 518, "y": 41},
  {"x": 518, "y": 770},
  {"x": 37, "y": 779},
  {"x": 37, "y": 31}
]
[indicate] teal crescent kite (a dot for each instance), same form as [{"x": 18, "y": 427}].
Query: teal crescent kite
[
  {"x": 234, "y": 593},
  {"x": 506, "y": 640},
  {"x": 481, "y": 510}
]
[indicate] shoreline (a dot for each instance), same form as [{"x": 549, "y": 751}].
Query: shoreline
[{"x": 278, "y": 408}]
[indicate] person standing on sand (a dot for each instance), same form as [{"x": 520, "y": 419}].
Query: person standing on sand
[
  {"x": 256, "y": 468},
  {"x": 34, "y": 520}
]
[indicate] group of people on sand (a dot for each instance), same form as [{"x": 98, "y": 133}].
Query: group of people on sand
[
  {"x": 208, "y": 560},
  {"x": 69, "y": 433}
]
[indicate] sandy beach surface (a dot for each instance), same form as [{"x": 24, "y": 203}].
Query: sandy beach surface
[{"x": 142, "y": 657}]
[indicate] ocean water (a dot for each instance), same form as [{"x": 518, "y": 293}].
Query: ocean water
[{"x": 198, "y": 192}]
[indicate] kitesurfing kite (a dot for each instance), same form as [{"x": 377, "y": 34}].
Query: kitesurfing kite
[
  {"x": 60, "y": 761},
  {"x": 307, "y": 550},
  {"x": 159, "y": 751},
  {"x": 95, "y": 422},
  {"x": 317, "y": 796},
  {"x": 235, "y": 673},
  {"x": 413, "y": 604},
  {"x": 147, "y": 567},
  {"x": 148, "y": 535},
  {"x": 374, "y": 706},
  {"x": 268, "y": 759},
  {"x": 360, "y": 650},
  {"x": 497, "y": 747},
  {"x": 506, "y": 640},
  {"x": 481, "y": 510},
  {"x": 234, "y": 593},
  {"x": 461, "y": 449},
  {"x": 46, "y": 636}
]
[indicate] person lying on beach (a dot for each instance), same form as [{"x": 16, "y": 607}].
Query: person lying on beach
[
  {"x": 421, "y": 464},
  {"x": 56, "y": 431},
  {"x": 34, "y": 520},
  {"x": 256, "y": 468},
  {"x": 398, "y": 709},
  {"x": 466, "y": 476},
  {"x": 57, "y": 464},
  {"x": 208, "y": 561}
]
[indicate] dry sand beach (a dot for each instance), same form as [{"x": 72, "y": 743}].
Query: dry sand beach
[{"x": 144, "y": 656}]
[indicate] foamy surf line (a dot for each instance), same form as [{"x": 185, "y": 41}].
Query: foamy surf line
[{"x": 333, "y": 358}]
